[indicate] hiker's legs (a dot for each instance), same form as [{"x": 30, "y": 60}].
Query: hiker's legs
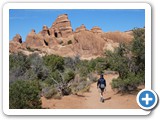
[
  {"x": 102, "y": 91},
  {"x": 101, "y": 95}
]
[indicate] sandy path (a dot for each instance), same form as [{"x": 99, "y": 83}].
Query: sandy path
[{"x": 91, "y": 100}]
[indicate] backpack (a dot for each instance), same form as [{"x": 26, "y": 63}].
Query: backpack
[{"x": 102, "y": 83}]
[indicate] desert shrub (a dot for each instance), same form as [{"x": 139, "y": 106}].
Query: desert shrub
[
  {"x": 49, "y": 92},
  {"x": 18, "y": 60},
  {"x": 38, "y": 67},
  {"x": 138, "y": 50},
  {"x": 30, "y": 49},
  {"x": 69, "y": 75},
  {"x": 61, "y": 80},
  {"x": 24, "y": 95},
  {"x": 83, "y": 70},
  {"x": 85, "y": 67},
  {"x": 55, "y": 75},
  {"x": 57, "y": 96},
  {"x": 93, "y": 77},
  {"x": 69, "y": 42},
  {"x": 54, "y": 62},
  {"x": 28, "y": 75},
  {"x": 18, "y": 65},
  {"x": 118, "y": 63},
  {"x": 80, "y": 84},
  {"x": 84, "y": 86},
  {"x": 99, "y": 65},
  {"x": 24, "y": 67},
  {"x": 129, "y": 62},
  {"x": 66, "y": 90},
  {"x": 71, "y": 63},
  {"x": 92, "y": 65},
  {"x": 129, "y": 83}
]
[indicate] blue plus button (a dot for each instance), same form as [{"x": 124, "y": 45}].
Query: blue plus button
[{"x": 147, "y": 99}]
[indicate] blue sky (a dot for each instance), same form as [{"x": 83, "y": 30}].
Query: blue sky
[{"x": 23, "y": 20}]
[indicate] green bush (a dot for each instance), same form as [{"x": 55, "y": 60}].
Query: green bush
[
  {"x": 138, "y": 50},
  {"x": 49, "y": 92},
  {"x": 32, "y": 49},
  {"x": 18, "y": 60},
  {"x": 93, "y": 77},
  {"x": 66, "y": 90},
  {"x": 69, "y": 75},
  {"x": 129, "y": 61},
  {"x": 57, "y": 96},
  {"x": 54, "y": 62},
  {"x": 38, "y": 66},
  {"x": 69, "y": 42},
  {"x": 71, "y": 63},
  {"x": 118, "y": 61},
  {"x": 81, "y": 84},
  {"x": 24, "y": 95},
  {"x": 129, "y": 83},
  {"x": 18, "y": 65},
  {"x": 56, "y": 75},
  {"x": 24, "y": 67}
]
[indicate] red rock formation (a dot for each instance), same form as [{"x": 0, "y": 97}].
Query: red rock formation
[
  {"x": 81, "y": 28},
  {"x": 61, "y": 27},
  {"x": 118, "y": 36},
  {"x": 61, "y": 40},
  {"x": 96, "y": 30},
  {"x": 88, "y": 43},
  {"x": 34, "y": 40},
  {"x": 15, "y": 44},
  {"x": 52, "y": 42},
  {"x": 17, "y": 38},
  {"x": 45, "y": 31}
]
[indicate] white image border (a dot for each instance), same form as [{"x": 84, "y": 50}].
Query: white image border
[{"x": 9, "y": 6}]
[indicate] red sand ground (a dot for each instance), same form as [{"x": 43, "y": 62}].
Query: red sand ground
[{"x": 91, "y": 99}]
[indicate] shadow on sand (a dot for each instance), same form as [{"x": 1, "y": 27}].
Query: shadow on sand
[
  {"x": 80, "y": 95},
  {"x": 107, "y": 98}
]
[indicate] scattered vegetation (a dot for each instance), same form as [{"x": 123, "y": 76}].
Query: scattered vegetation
[
  {"x": 53, "y": 76},
  {"x": 129, "y": 61}
]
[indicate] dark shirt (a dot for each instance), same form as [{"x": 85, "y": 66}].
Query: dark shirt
[{"x": 101, "y": 81}]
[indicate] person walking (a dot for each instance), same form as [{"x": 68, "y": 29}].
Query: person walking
[{"x": 101, "y": 85}]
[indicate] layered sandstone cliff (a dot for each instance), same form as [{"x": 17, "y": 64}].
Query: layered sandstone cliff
[{"x": 60, "y": 39}]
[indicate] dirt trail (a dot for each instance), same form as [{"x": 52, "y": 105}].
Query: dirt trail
[{"x": 91, "y": 99}]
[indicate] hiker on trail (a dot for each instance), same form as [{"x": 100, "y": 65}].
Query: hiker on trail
[{"x": 101, "y": 85}]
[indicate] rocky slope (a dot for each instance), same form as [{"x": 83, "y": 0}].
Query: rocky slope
[{"x": 60, "y": 39}]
